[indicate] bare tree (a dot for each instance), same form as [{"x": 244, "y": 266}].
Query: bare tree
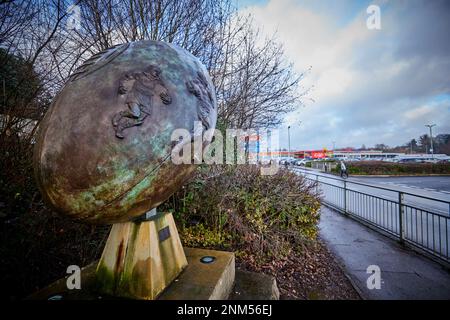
[
  {"x": 254, "y": 83},
  {"x": 26, "y": 34}
]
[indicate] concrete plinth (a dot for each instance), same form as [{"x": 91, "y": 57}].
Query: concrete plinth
[
  {"x": 198, "y": 281},
  {"x": 141, "y": 258},
  {"x": 203, "y": 281}
]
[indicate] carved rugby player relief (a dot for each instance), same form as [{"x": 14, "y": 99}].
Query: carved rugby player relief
[
  {"x": 138, "y": 91},
  {"x": 199, "y": 88}
]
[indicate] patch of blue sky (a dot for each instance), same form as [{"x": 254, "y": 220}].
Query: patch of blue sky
[
  {"x": 341, "y": 12},
  {"x": 441, "y": 98}
]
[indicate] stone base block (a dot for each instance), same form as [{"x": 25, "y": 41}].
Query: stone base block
[{"x": 207, "y": 280}]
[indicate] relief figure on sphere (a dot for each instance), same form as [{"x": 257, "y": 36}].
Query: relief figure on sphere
[
  {"x": 199, "y": 88},
  {"x": 139, "y": 89}
]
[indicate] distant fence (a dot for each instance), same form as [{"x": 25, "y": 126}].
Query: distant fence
[
  {"x": 408, "y": 220},
  {"x": 324, "y": 166}
]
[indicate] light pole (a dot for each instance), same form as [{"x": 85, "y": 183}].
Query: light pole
[
  {"x": 431, "y": 138},
  {"x": 334, "y": 146},
  {"x": 289, "y": 141},
  {"x": 257, "y": 146}
]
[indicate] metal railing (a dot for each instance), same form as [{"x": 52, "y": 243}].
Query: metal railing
[{"x": 420, "y": 221}]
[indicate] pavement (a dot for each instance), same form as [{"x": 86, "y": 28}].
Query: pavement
[{"x": 404, "y": 273}]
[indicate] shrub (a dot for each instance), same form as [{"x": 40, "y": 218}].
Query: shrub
[
  {"x": 235, "y": 207},
  {"x": 36, "y": 244}
]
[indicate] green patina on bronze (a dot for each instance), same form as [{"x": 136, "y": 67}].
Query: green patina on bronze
[{"x": 103, "y": 149}]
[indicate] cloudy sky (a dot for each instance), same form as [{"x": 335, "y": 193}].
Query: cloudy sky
[{"x": 367, "y": 86}]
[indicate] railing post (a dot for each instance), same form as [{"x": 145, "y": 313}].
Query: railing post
[
  {"x": 317, "y": 183},
  {"x": 401, "y": 217},
  {"x": 345, "y": 197}
]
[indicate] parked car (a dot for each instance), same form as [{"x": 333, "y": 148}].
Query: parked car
[
  {"x": 301, "y": 162},
  {"x": 287, "y": 161},
  {"x": 291, "y": 160},
  {"x": 431, "y": 160}
]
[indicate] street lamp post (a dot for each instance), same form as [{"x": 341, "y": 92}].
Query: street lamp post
[
  {"x": 289, "y": 141},
  {"x": 257, "y": 145},
  {"x": 431, "y": 138},
  {"x": 334, "y": 146}
]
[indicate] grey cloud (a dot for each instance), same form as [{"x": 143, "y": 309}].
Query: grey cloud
[
  {"x": 396, "y": 72},
  {"x": 416, "y": 38}
]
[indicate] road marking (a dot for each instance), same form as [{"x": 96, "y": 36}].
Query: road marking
[{"x": 414, "y": 187}]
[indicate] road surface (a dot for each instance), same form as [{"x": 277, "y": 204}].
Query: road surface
[
  {"x": 429, "y": 183},
  {"x": 429, "y": 193},
  {"x": 423, "y": 219}
]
